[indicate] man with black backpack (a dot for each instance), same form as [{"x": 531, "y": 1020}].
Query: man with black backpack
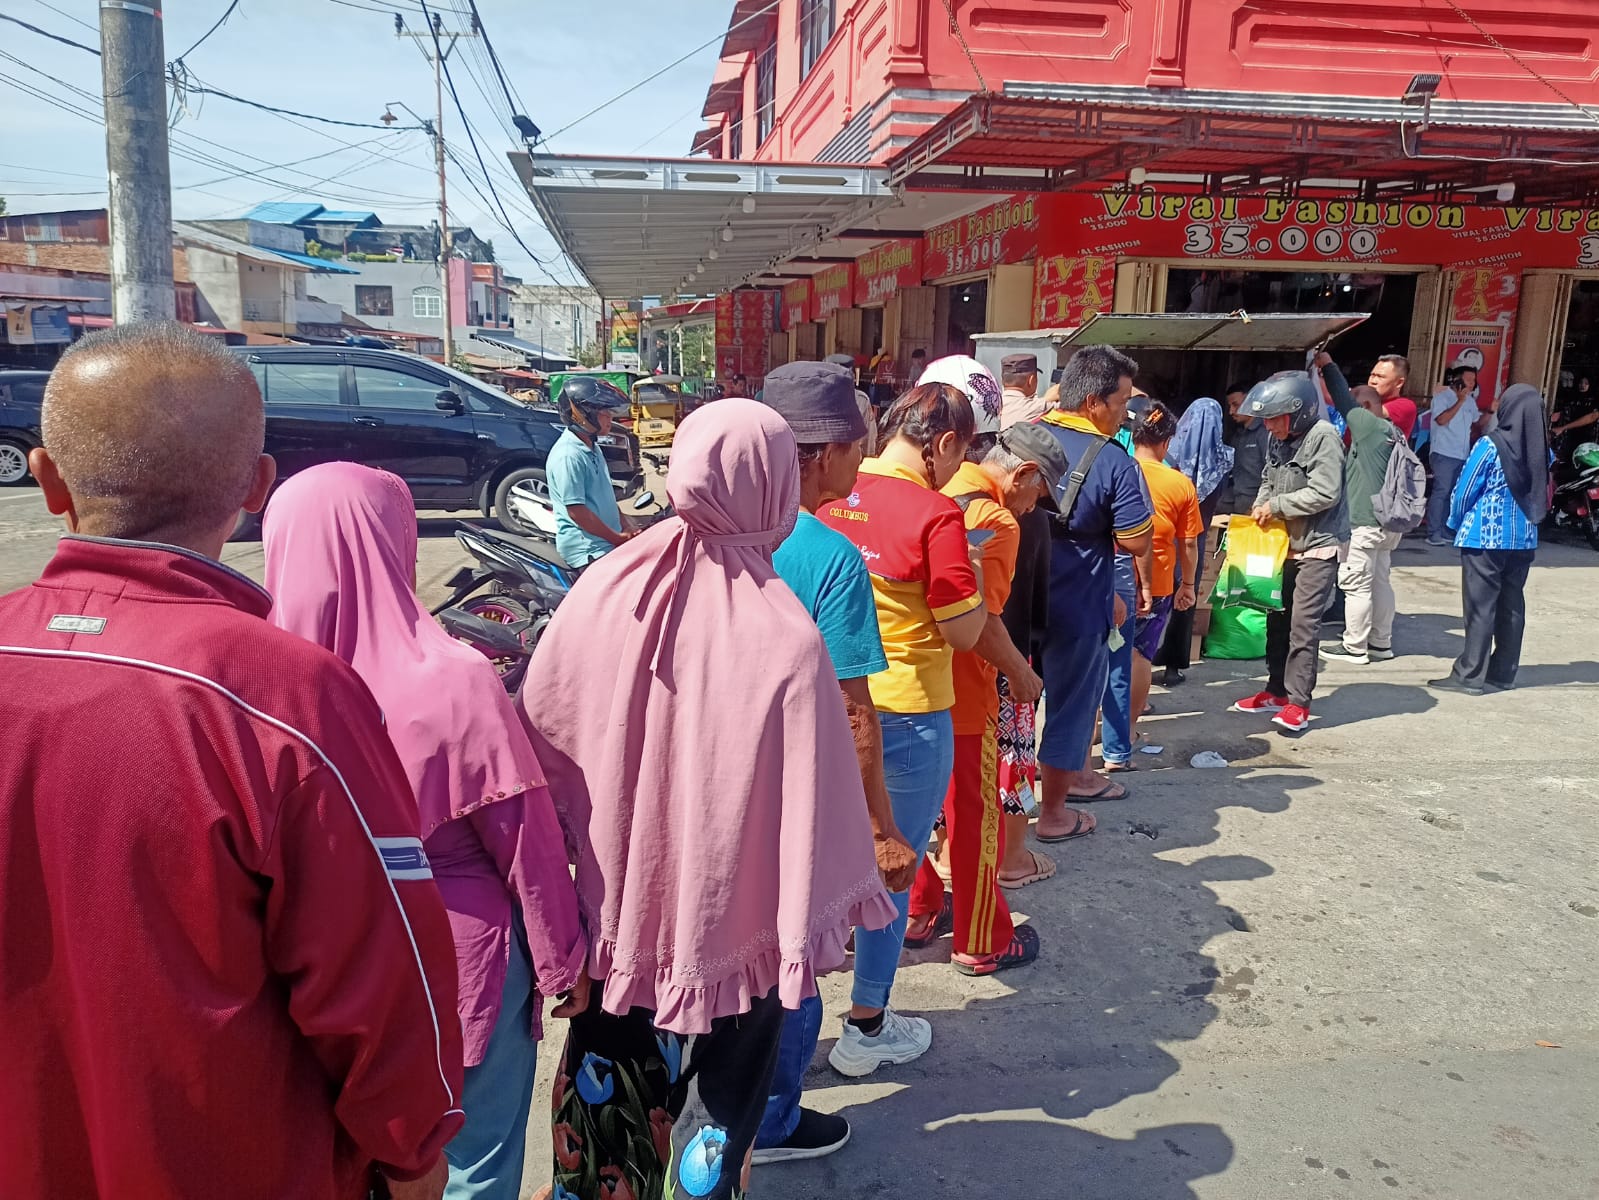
[{"x": 1386, "y": 490}]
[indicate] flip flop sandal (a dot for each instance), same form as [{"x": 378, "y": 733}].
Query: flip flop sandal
[
  {"x": 1043, "y": 868},
  {"x": 1022, "y": 950},
  {"x": 1111, "y": 791},
  {"x": 943, "y": 923},
  {"x": 1116, "y": 768},
  {"x": 1077, "y": 830}
]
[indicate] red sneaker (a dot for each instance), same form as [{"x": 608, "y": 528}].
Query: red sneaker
[
  {"x": 1295, "y": 718},
  {"x": 1261, "y": 702}
]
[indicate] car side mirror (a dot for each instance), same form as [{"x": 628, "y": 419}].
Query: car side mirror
[{"x": 449, "y": 402}]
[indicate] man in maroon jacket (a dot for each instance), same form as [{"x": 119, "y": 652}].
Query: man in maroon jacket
[{"x": 224, "y": 967}]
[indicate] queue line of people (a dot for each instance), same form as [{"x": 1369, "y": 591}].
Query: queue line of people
[{"x": 290, "y": 878}]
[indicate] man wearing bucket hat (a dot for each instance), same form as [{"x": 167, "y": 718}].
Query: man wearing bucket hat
[{"x": 827, "y": 573}]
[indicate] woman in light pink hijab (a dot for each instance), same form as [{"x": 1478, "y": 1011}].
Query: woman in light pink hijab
[
  {"x": 686, "y": 710},
  {"x": 340, "y": 543}
]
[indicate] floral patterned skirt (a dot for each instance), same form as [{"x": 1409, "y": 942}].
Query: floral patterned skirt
[{"x": 643, "y": 1114}]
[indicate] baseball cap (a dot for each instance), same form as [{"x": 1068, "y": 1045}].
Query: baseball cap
[
  {"x": 976, "y": 381},
  {"x": 817, "y": 400},
  {"x": 1035, "y": 444}
]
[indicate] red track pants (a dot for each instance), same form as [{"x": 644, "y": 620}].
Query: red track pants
[{"x": 975, "y": 828}]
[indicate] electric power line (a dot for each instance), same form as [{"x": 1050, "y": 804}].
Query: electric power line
[
  {"x": 54, "y": 37},
  {"x": 221, "y": 21},
  {"x": 754, "y": 16},
  {"x": 69, "y": 16},
  {"x": 181, "y": 81}
]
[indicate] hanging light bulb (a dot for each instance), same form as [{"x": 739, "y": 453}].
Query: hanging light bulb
[
  {"x": 715, "y": 254},
  {"x": 749, "y": 204},
  {"x": 699, "y": 268},
  {"x": 727, "y": 233}
]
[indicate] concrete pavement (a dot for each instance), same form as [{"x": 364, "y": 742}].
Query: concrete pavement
[{"x": 1326, "y": 975}]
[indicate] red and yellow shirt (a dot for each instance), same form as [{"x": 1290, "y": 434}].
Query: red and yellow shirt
[
  {"x": 914, "y": 544},
  {"x": 977, "y": 679}
]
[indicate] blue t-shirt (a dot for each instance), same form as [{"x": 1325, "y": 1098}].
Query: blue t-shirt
[
  {"x": 577, "y": 474},
  {"x": 1082, "y": 559},
  {"x": 827, "y": 573}
]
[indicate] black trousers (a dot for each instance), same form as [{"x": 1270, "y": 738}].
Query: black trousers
[
  {"x": 1177, "y": 650},
  {"x": 659, "y": 1114},
  {"x": 1293, "y": 636},
  {"x": 1493, "y": 591}
]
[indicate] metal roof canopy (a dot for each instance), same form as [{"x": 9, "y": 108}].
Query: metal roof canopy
[
  {"x": 641, "y": 226},
  {"x": 1239, "y": 331},
  {"x": 1051, "y": 137}
]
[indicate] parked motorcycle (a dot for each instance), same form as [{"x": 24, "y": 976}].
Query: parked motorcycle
[
  {"x": 502, "y": 605},
  {"x": 1576, "y": 503}
]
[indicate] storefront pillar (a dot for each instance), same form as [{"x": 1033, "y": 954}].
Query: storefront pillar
[{"x": 1010, "y": 297}]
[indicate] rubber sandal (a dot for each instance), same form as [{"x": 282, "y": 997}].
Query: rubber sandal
[
  {"x": 1040, "y": 872},
  {"x": 1023, "y": 949},
  {"x": 1077, "y": 830},
  {"x": 1110, "y": 791},
  {"x": 1116, "y": 768},
  {"x": 943, "y": 923}
]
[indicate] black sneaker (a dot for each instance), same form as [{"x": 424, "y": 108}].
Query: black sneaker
[{"x": 816, "y": 1136}]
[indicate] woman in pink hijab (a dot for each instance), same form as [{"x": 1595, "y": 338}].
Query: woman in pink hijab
[
  {"x": 340, "y": 543},
  {"x": 686, "y": 710}
]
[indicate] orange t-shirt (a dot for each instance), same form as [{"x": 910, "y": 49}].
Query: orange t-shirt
[
  {"x": 977, "y": 679},
  {"x": 1177, "y": 518}
]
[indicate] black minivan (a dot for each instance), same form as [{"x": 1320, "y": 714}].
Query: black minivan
[{"x": 456, "y": 442}]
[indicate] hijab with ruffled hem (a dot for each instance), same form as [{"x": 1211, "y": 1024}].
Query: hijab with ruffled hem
[{"x": 684, "y": 706}]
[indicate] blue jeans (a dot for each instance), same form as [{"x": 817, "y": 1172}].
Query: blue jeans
[
  {"x": 802, "y": 1027},
  {"x": 918, "y": 759},
  {"x": 1116, "y": 716},
  {"x": 485, "y": 1156}
]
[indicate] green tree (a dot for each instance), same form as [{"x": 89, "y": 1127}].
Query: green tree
[
  {"x": 591, "y": 354},
  {"x": 2, "y": 206}
]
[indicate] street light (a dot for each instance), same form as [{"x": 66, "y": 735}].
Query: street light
[{"x": 1422, "y": 89}]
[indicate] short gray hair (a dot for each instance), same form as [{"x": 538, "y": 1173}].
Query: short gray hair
[
  {"x": 1093, "y": 371},
  {"x": 156, "y": 430},
  {"x": 1002, "y": 459}
]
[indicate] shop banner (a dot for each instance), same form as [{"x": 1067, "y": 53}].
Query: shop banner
[
  {"x": 1086, "y": 234},
  {"x": 832, "y": 290},
  {"x": 745, "y": 321},
  {"x": 1007, "y": 232},
  {"x": 38, "y": 325},
  {"x": 797, "y": 303},
  {"x": 884, "y": 270},
  {"x": 624, "y": 336}
]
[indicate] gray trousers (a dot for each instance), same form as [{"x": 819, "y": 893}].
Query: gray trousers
[
  {"x": 1493, "y": 587},
  {"x": 1293, "y": 636},
  {"x": 1445, "y": 472}
]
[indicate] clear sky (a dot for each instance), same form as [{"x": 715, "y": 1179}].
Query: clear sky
[{"x": 340, "y": 58}]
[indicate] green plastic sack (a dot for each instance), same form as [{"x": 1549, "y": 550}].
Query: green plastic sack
[{"x": 1236, "y": 632}]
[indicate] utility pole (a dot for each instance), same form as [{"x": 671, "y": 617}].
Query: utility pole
[
  {"x": 442, "y": 42},
  {"x": 133, "y": 74}
]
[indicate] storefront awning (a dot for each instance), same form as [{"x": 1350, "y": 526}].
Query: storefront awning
[
  {"x": 1049, "y": 137},
  {"x": 1239, "y": 331},
  {"x": 642, "y": 227}
]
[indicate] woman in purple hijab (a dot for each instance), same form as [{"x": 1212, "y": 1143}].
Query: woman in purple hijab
[{"x": 340, "y": 542}]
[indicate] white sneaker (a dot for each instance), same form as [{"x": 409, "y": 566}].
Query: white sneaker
[{"x": 900, "y": 1040}]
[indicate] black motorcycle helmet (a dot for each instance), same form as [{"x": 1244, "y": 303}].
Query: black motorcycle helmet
[
  {"x": 584, "y": 397},
  {"x": 1284, "y": 394}
]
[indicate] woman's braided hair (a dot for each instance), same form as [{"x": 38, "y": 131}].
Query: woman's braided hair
[{"x": 926, "y": 413}]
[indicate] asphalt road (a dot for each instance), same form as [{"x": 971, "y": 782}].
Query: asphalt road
[{"x": 1330, "y": 973}]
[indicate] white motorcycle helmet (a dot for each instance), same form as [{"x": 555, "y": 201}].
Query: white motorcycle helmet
[{"x": 976, "y": 381}]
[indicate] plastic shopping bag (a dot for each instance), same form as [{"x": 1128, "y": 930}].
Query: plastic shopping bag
[
  {"x": 1252, "y": 573},
  {"x": 1236, "y": 633}
]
